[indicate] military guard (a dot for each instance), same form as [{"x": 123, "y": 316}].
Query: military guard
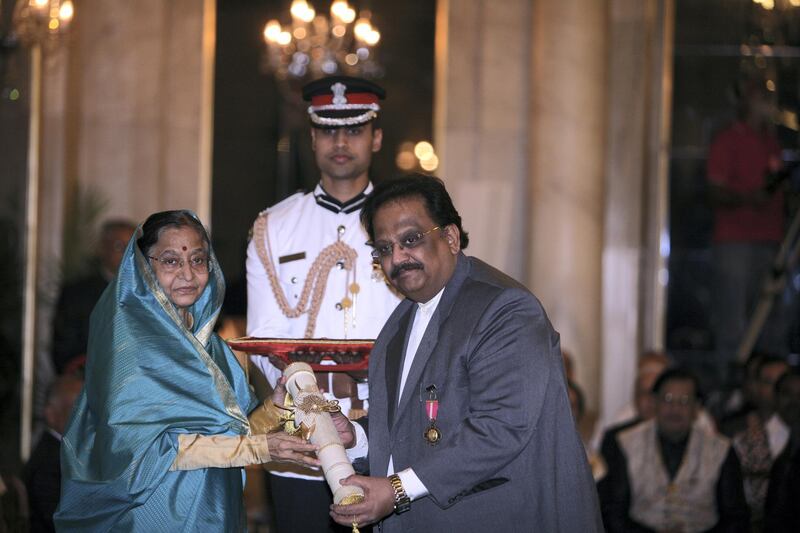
[{"x": 310, "y": 273}]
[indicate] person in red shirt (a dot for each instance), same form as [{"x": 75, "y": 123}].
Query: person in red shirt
[{"x": 748, "y": 224}]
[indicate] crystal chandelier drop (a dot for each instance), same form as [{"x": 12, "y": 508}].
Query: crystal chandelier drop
[{"x": 314, "y": 45}]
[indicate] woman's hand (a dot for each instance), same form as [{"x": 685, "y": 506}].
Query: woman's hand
[
  {"x": 285, "y": 448},
  {"x": 343, "y": 425}
]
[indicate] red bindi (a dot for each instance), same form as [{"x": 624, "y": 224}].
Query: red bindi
[{"x": 184, "y": 248}]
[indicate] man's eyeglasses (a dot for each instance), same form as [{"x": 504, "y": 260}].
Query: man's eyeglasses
[
  {"x": 170, "y": 264},
  {"x": 412, "y": 239},
  {"x": 674, "y": 399}
]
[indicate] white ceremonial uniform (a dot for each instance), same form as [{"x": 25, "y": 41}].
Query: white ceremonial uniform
[{"x": 298, "y": 229}]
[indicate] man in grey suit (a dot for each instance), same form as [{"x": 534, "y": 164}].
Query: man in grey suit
[{"x": 470, "y": 426}]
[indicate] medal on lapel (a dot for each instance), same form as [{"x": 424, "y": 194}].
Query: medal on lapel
[{"x": 432, "y": 435}]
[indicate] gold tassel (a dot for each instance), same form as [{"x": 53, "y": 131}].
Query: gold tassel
[{"x": 355, "y": 527}]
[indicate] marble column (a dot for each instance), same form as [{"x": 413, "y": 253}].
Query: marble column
[
  {"x": 660, "y": 31},
  {"x": 480, "y": 126},
  {"x": 141, "y": 118},
  {"x": 552, "y": 126},
  {"x": 639, "y": 76},
  {"x": 567, "y": 118},
  {"x": 126, "y": 113},
  {"x": 52, "y": 188}
]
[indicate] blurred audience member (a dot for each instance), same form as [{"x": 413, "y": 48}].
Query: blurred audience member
[
  {"x": 569, "y": 364},
  {"x": 763, "y": 438},
  {"x": 651, "y": 365},
  {"x": 787, "y": 401},
  {"x": 577, "y": 400},
  {"x": 760, "y": 435},
  {"x": 768, "y": 371},
  {"x": 642, "y": 407},
  {"x": 577, "y": 403},
  {"x": 748, "y": 223},
  {"x": 77, "y": 299},
  {"x": 782, "y": 508},
  {"x": 13, "y": 504},
  {"x": 760, "y": 395},
  {"x": 43, "y": 471},
  {"x": 732, "y": 415},
  {"x": 670, "y": 473}
]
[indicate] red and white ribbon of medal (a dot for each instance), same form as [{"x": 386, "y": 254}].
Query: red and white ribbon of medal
[{"x": 432, "y": 435}]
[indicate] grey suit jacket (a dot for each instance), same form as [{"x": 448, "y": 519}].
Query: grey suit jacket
[{"x": 510, "y": 458}]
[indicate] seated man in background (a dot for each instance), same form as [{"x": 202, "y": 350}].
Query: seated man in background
[
  {"x": 742, "y": 400},
  {"x": 781, "y": 511},
  {"x": 670, "y": 473},
  {"x": 78, "y": 297},
  {"x": 766, "y": 373},
  {"x": 642, "y": 407},
  {"x": 43, "y": 471},
  {"x": 763, "y": 438},
  {"x": 651, "y": 364}
]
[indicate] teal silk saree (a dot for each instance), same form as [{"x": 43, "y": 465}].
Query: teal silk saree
[{"x": 149, "y": 378}]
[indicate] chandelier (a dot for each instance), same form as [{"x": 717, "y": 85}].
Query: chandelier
[
  {"x": 313, "y": 45},
  {"x": 769, "y": 5},
  {"x": 41, "y": 21}
]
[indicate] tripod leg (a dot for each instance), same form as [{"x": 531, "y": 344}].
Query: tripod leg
[{"x": 774, "y": 281}]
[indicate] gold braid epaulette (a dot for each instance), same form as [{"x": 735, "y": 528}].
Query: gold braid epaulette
[{"x": 314, "y": 286}]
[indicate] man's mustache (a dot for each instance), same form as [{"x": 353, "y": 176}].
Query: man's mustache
[{"x": 408, "y": 265}]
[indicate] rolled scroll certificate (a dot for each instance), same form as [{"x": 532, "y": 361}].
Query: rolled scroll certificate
[{"x": 311, "y": 409}]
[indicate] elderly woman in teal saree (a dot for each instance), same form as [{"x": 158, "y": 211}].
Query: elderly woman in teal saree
[{"x": 161, "y": 431}]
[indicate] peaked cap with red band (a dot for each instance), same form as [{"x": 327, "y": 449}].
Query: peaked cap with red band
[{"x": 338, "y": 101}]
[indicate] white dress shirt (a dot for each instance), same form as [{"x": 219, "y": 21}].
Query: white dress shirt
[
  {"x": 411, "y": 483},
  {"x": 777, "y": 435}
]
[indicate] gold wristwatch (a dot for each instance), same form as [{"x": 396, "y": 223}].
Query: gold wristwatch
[{"x": 402, "y": 502}]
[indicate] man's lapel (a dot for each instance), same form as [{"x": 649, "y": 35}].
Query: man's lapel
[
  {"x": 431, "y": 336},
  {"x": 426, "y": 346},
  {"x": 394, "y": 358}
]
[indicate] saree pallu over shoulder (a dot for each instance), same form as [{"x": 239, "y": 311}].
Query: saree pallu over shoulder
[{"x": 150, "y": 379}]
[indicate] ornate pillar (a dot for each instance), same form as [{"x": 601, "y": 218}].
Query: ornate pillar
[
  {"x": 127, "y": 111},
  {"x": 552, "y": 126},
  {"x": 480, "y": 122},
  {"x": 567, "y": 156},
  {"x": 639, "y": 77},
  {"x": 142, "y": 128}
]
